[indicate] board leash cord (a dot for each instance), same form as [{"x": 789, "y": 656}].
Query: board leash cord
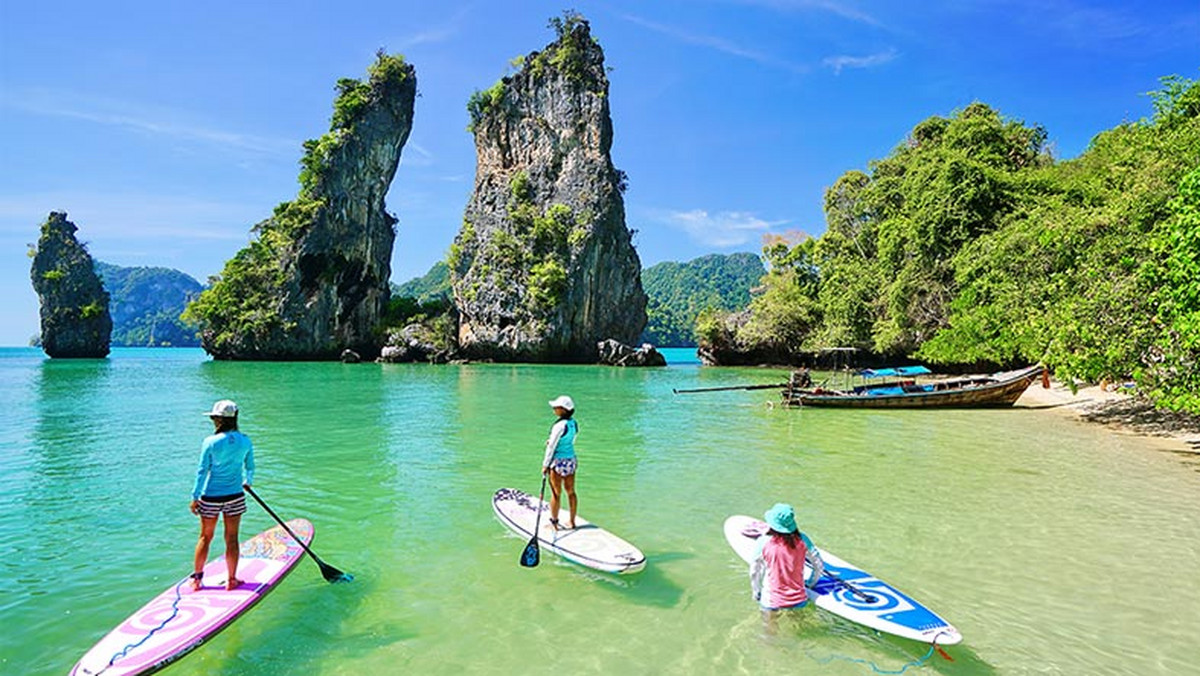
[
  {"x": 174, "y": 611},
  {"x": 933, "y": 647}
]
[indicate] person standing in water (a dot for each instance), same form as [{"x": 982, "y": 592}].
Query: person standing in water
[
  {"x": 219, "y": 488},
  {"x": 777, "y": 571},
  {"x": 559, "y": 463}
]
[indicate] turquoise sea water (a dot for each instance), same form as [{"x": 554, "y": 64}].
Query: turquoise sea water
[{"x": 1054, "y": 546}]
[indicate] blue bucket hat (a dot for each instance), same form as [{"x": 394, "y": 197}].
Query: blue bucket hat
[{"x": 781, "y": 518}]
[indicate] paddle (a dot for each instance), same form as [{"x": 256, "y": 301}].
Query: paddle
[
  {"x": 867, "y": 598},
  {"x": 730, "y": 387},
  {"x": 532, "y": 554},
  {"x": 331, "y": 574}
]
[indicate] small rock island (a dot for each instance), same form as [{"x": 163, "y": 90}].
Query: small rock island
[{"x": 75, "y": 322}]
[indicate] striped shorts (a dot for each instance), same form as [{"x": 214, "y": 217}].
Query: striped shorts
[{"x": 211, "y": 506}]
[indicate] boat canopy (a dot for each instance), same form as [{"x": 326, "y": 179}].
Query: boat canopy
[{"x": 893, "y": 372}]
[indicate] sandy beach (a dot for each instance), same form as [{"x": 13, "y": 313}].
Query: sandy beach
[{"x": 1124, "y": 413}]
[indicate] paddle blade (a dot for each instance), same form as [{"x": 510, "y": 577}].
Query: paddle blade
[
  {"x": 532, "y": 554},
  {"x": 333, "y": 574}
]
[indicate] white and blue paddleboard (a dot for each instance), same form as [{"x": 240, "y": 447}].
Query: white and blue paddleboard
[
  {"x": 587, "y": 544},
  {"x": 855, "y": 594}
]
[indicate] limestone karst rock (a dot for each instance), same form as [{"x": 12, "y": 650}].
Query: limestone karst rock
[
  {"x": 74, "y": 305},
  {"x": 544, "y": 267},
  {"x": 613, "y": 353},
  {"x": 315, "y": 280}
]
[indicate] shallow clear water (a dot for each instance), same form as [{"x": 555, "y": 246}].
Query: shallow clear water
[{"x": 1054, "y": 546}]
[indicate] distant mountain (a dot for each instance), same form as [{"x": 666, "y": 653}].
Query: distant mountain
[
  {"x": 435, "y": 285},
  {"x": 678, "y": 292},
  {"x": 145, "y": 304}
]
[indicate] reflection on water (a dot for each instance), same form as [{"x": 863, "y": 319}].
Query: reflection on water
[{"x": 1004, "y": 522}]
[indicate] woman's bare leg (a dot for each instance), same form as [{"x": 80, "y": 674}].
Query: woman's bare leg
[
  {"x": 208, "y": 526},
  {"x": 569, "y": 484},
  {"x": 555, "y": 497},
  {"x": 232, "y": 549}
]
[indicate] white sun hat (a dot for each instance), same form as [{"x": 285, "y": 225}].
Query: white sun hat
[
  {"x": 223, "y": 409},
  {"x": 563, "y": 402}
]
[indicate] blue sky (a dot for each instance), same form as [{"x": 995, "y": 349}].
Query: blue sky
[{"x": 167, "y": 129}]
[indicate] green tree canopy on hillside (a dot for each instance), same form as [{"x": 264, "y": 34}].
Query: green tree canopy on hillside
[
  {"x": 969, "y": 246},
  {"x": 1065, "y": 280},
  {"x": 892, "y": 234},
  {"x": 679, "y": 292}
]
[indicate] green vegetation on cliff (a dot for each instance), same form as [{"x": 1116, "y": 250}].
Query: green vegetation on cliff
[
  {"x": 243, "y": 301},
  {"x": 678, "y": 292},
  {"x": 969, "y": 246},
  {"x": 567, "y": 55},
  {"x": 259, "y": 304}
]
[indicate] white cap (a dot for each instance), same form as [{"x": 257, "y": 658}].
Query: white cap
[
  {"x": 563, "y": 402},
  {"x": 223, "y": 409}
]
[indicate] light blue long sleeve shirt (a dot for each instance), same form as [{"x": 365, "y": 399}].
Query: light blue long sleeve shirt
[
  {"x": 222, "y": 458},
  {"x": 561, "y": 443}
]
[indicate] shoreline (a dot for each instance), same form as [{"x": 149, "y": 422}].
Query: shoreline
[{"x": 1121, "y": 413}]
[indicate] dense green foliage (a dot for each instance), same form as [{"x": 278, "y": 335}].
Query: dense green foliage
[
  {"x": 1070, "y": 280},
  {"x": 678, "y": 292},
  {"x": 433, "y": 285},
  {"x": 145, "y": 304},
  {"x": 782, "y": 313},
  {"x": 568, "y": 53},
  {"x": 969, "y": 245},
  {"x": 403, "y": 310},
  {"x": 482, "y": 101},
  {"x": 243, "y": 301},
  {"x": 1173, "y": 373},
  {"x": 887, "y": 259}
]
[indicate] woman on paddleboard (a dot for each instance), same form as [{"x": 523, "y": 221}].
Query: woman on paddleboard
[
  {"x": 559, "y": 463},
  {"x": 777, "y": 571},
  {"x": 219, "y": 488}
]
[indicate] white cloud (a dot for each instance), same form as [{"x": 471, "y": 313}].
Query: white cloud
[
  {"x": 842, "y": 9},
  {"x": 434, "y": 35},
  {"x": 191, "y": 234},
  {"x": 133, "y": 216},
  {"x": 722, "y": 229},
  {"x": 146, "y": 120},
  {"x": 415, "y": 155},
  {"x": 837, "y": 63},
  {"x": 718, "y": 44}
]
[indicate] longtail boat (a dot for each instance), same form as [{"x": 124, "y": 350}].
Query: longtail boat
[{"x": 979, "y": 391}]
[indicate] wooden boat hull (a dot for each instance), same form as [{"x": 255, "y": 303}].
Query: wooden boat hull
[{"x": 997, "y": 390}]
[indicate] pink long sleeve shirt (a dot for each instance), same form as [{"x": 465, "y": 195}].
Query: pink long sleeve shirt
[{"x": 777, "y": 573}]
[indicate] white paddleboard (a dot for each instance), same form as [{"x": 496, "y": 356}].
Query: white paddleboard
[
  {"x": 878, "y": 605},
  {"x": 587, "y": 544}
]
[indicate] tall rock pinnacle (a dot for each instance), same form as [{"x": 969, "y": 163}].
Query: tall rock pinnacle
[
  {"x": 315, "y": 281},
  {"x": 544, "y": 267}
]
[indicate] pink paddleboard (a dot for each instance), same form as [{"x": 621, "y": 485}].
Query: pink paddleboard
[{"x": 178, "y": 620}]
